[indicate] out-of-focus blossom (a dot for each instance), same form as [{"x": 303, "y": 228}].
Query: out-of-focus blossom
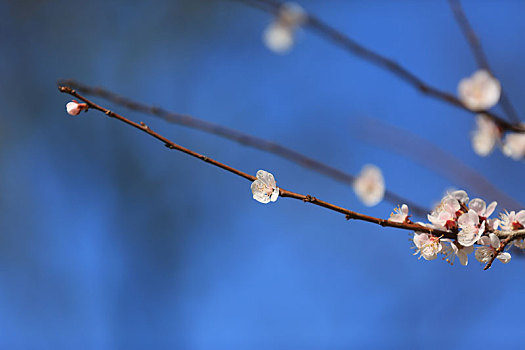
[
  {"x": 265, "y": 189},
  {"x": 486, "y": 252},
  {"x": 480, "y": 91},
  {"x": 400, "y": 214},
  {"x": 74, "y": 108},
  {"x": 514, "y": 145},
  {"x": 369, "y": 186},
  {"x": 279, "y": 36},
  {"x": 485, "y": 136}
]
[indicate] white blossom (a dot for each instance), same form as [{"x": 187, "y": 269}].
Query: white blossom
[
  {"x": 471, "y": 231},
  {"x": 279, "y": 35},
  {"x": 480, "y": 91},
  {"x": 369, "y": 186},
  {"x": 265, "y": 189},
  {"x": 444, "y": 216},
  {"x": 427, "y": 245},
  {"x": 480, "y": 207},
  {"x": 455, "y": 249},
  {"x": 460, "y": 195},
  {"x": 486, "y": 252},
  {"x": 485, "y": 136},
  {"x": 400, "y": 214},
  {"x": 514, "y": 145},
  {"x": 74, "y": 108},
  {"x": 512, "y": 221}
]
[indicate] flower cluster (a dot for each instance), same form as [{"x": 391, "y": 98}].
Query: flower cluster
[
  {"x": 280, "y": 34},
  {"x": 470, "y": 222}
]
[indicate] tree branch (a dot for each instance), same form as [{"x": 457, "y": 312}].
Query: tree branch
[
  {"x": 240, "y": 137},
  {"x": 349, "y": 214},
  {"x": 479, "y": 54},
  {"x": 352, "y": 46}
]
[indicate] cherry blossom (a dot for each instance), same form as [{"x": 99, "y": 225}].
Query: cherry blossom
[
  {"x": 265, "y": 189},
  {"x": 369, "y": 186},
  {"x": 74, "y": 108},
  {"x": 486, "y": 135},
  {"x": 445, "y": 215},
  {"x": 427, "y": 245},
  {"x": 279, "y": 35},
  {"x": 485, "y": 253},
  {"x": 471, "y": 231},
  {"x": 480, "y": 91},
  {"x": 513, "y": 221},
  {"x": 514, "y": 145},
  {"x": 400, "y": 214},
  {"x": 455, "y": 249}
]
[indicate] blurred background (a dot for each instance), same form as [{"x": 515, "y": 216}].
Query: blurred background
[{"x": 110, "y": 241}]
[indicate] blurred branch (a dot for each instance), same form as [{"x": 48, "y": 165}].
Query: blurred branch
[
  {"x": 432, "y": 157},
  {"x": 352, "y": 46},
  {"x": 479, "y": 54},
  {"x": 240, "y": 137}
]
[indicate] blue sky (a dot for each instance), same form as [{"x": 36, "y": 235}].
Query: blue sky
[{"x": 109, "y": 240}]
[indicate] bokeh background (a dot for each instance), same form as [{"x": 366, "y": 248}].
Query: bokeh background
[{"x": 110, "y": 241}]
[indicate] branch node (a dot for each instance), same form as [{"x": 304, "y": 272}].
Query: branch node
[
  {"x": 169, "y": 145},
  {"x": 309, "y": 198}
]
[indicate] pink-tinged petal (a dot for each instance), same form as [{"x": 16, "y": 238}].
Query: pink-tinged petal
[
  {"x": 520, "y": 217},
  {"x": 490, "y": 209},
  {"x": 420, "y": 239},
  {"x": 460, "y": 195},
  {"x": 494, "y": 241},
  {"x": 467, "y": 237},
  {"x": 463, "y": 258},
  {"x": 478, "y": 205},
  {"x": 504, "y": 257},
  {"x": 485, "y": 240}
]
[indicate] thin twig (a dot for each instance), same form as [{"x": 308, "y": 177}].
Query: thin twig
[
  {"x": 511, "y": 237},
  {"x": 479, "y": 54},
  {"x": 284, "y": 193},
  {"x": 349, "y": 214},
  {"x": 240, "y": 137},
  {"x": 352, "y": 46}
]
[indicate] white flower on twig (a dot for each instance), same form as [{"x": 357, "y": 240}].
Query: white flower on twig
[
  {"x": 480, "y": 91},
  {"x": 400, "y": 214},
  {"x": 279, "y": 36},
  {"x": 471, "y": 230},
  {"x": 455, "y": 249},
  {"x": 486, "y": 252},
  {"x": 427, "y": 245},
  {"x": 264, "y": 189},
  {"x": 512, "y": 221},
  {"x": 369, "y": 186}
]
